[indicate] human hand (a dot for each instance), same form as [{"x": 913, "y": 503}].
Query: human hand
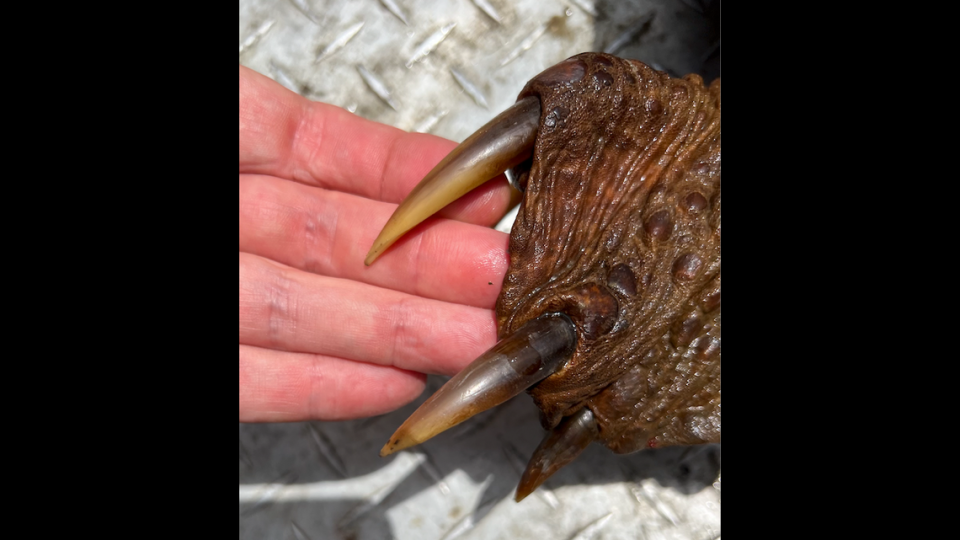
[{"x": 321, "y": 335}]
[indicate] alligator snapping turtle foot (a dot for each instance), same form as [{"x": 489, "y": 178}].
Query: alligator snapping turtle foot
[{"x": 610, "y": 310}]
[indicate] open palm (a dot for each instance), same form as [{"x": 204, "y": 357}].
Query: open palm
[{"x": 321, "y": 335}]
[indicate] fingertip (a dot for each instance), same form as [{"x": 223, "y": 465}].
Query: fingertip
[{"x": 484, "y": 206}]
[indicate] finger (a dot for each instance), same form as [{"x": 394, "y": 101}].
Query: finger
[
  {"x": 287, "y": 309},
  {"x": 285, "y": 135},
  {"x": 328, "y": 233},
  {"x": 278, "y": 386}
]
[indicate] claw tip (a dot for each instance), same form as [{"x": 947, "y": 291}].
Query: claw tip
[
  {"x": 372, "y": 255},
  {"x": 531, "y": 480},
  {"x": 393, "y": 446},
  {"x": 522, "y": 494},
  {"x": 396, "y": 444}
]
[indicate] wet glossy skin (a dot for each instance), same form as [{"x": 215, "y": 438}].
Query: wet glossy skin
[
  {"x": 609, "y": 313},
  {"x": 619, "y": 229}
]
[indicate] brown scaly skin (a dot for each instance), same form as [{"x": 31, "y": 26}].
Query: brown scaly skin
[{"x": 620, "y": 229}]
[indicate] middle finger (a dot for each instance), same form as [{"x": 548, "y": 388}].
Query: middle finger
[{"x": 328, "y": 233}]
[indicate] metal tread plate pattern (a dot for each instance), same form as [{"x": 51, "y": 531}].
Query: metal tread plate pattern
[{"x": 446, "y": 67}]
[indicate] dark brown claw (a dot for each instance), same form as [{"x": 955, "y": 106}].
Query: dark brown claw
[{"x": 561, "y": 446}]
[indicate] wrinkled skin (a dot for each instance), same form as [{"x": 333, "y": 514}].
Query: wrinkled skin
[
  {"x": 620, "y": 229},
  {"x": 609, "y": 313}
]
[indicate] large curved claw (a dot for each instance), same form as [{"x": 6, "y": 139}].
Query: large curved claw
[
  {"x": 502, "y": 143},
  {"x": 526, "y": 357}
]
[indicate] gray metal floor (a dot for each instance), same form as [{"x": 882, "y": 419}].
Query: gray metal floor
[{"x": 446, "y": 67}]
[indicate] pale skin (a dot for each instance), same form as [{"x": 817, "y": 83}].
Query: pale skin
[{"x": 321, "y": 335}]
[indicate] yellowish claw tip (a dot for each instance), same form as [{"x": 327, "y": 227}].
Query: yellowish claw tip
[
  {"x": 398, "y": 442},
  {"x": 392, "y": 446},
  {"x": 377, "y": 248},
  {"x": 504, "y": 142}
]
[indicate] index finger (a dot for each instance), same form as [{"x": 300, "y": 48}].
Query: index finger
[{"x": 285, "y": 135}]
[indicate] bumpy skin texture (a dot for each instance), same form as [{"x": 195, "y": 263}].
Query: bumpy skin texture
[{"x": 620, "y": 229}]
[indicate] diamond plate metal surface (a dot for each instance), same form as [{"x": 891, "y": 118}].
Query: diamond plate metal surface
[{"x": 446, "y": 67}]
